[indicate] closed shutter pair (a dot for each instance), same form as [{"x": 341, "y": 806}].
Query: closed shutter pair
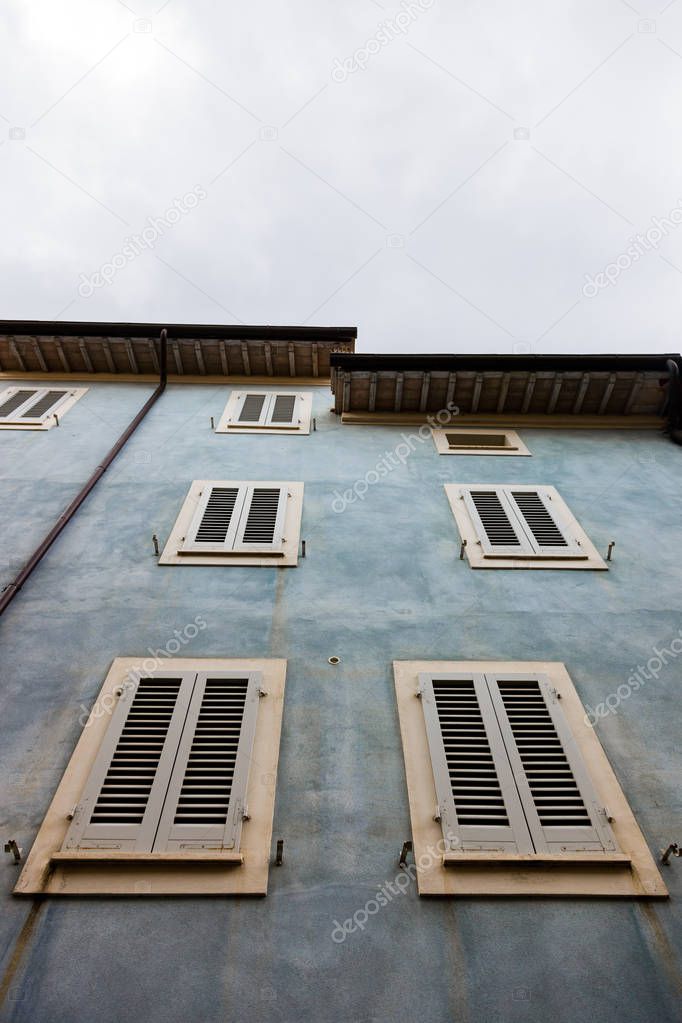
[
  {"x": 276, "y": 411},
  {"x": 172, "y": 771},
  {"x": 31, "y": 405},
  {"x": 240, "y": 519},
  {"x": 520, "y": 522},
  {"x": 507, "y": 770}
]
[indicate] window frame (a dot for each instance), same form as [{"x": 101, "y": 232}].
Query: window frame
[
  {"x": 47, "y": 421},
  {"x": 287, "y": 530},
  {"x": 229, "y": 420},
  {"x": 630, "y": 872},
  {"x": 580, "y": 555},
  {"x": 515, "y": 446},
  {"x": 51, "y": 870}
]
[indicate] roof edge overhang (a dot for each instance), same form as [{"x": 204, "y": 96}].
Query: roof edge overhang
[
  {"x": 211, "y": 351},
  {"x": 600, "y": 390}
]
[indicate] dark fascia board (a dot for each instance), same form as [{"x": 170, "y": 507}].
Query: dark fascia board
[
  {"x": 177, "y": 331},
  {"x": 502, "y": 363}
]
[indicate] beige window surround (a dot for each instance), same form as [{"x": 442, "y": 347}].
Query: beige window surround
[
  {"x": 35, "y": 406},
  {"x": 520, "y": 526},
  {"x": 221, "y": 522},
  {"x": 626, "y": 870},
  {"x": 269, "y": 411},
  {"x": 184, "y": 868},
  {"x": 473, "y": 441}
]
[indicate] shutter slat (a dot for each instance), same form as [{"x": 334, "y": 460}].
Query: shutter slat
[
  {"x": 123, "y": 796},
  {"x": 498, "y": 531},
  {"x": 252, "y": 409},
  {"x": 478, "y": 802},
  {"x": 15, "y": 402},
  {"x": 207, "y": 792},
  {"x": 548, "y": 536},
  {"x": 262, "y": 520},
  {"x": 46, "y": 403},
  {"x": 216, "y": 520},
  {"x": 558, "y": 797},
  {"x": 283, "y": 410}
]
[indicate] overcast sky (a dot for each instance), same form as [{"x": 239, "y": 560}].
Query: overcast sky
[{"x": 446, "y": 176}]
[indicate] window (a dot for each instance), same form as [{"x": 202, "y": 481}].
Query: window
[
  {"x": 510, "y": 791},
  {"x": 520, "y": 526},
  {"x": 237, "y": 522},
  {"x": 266, "y": 412},
  {"x": 465, "y": 441},
  {"x": 160, "y": 787},
  {"x": 36, "y": 408}
]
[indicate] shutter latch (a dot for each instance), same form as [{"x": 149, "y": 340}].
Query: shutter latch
[{"x": 262, "y": 692}]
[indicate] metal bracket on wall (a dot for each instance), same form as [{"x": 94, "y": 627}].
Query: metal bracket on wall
[
  {"x": 303, "y": 548},
  {"x": 13, "y": 848},
  {"x": 155, "y": 541},
  {"x": 279, "y": 855},
  {"x": 462, "y": 549},
  {"x": 672, "y": 850},
  {"x": 407, "y": 848},
  {"x": 612, "y": 544}
]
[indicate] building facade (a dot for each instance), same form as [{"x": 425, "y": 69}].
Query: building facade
[{"x": 508, "y": 705}]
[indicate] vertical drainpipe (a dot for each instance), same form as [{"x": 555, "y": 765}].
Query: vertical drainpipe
[{"x": 10, "y": 591}]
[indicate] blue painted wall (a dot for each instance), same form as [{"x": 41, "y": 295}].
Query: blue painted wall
[{"x": 381, "y": 581}]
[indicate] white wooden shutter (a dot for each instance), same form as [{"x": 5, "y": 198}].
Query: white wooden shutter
[
  {"x": 478, "y": 803},
  {"x": 272, "y": 410},
  {"x": 46, "y": 403},
  {"x": 206, "y": 799},
  {"x": 262, "y": 520},
  {"x": 124, "y": 792},
  {"x": 252, "y": 409},
  {"x": 519, "y": 522},
  {"x": 547, "y": 532},
  {"x": 31, "y": 405},
  {"x": 15, "y": 401},
  {"x": 559, "y": 800},
  {"x": 284, "y": 411},
  {"x": 214, "y": 526},
  {"x": 500, "y": 533}
]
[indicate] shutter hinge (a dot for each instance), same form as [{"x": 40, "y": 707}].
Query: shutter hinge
[
  {"x": 245, "y": 813},
  {"x": 604, "y": 810},
  {"x": 437, "y": 815}
]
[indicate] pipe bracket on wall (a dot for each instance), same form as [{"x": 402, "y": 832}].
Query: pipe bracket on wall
[{"x": 13, "y": 848}]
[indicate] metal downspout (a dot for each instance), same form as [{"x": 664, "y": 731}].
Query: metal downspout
[{"x": 11, "y": 590}]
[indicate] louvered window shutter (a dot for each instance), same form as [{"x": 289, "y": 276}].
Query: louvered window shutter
[
  {"x": 495, "y": 521},
  {"x": 262, "y": 521},
  {"x": 46, "y": 404},
  {"x": 216, "y": 520},
  {"x": 253, "y": 409},
  {"x": 12, "y": 406},
  {"x": 283, "y": 411},
  {"x": 272, "y": 411},
  {"x": 124, "y": 793},
  {"x": 206, "y": 800},
  {"x": 478, "y": 803},
  {"x": 559, "y": 800},
  {"x": 547, "y": 534}
]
